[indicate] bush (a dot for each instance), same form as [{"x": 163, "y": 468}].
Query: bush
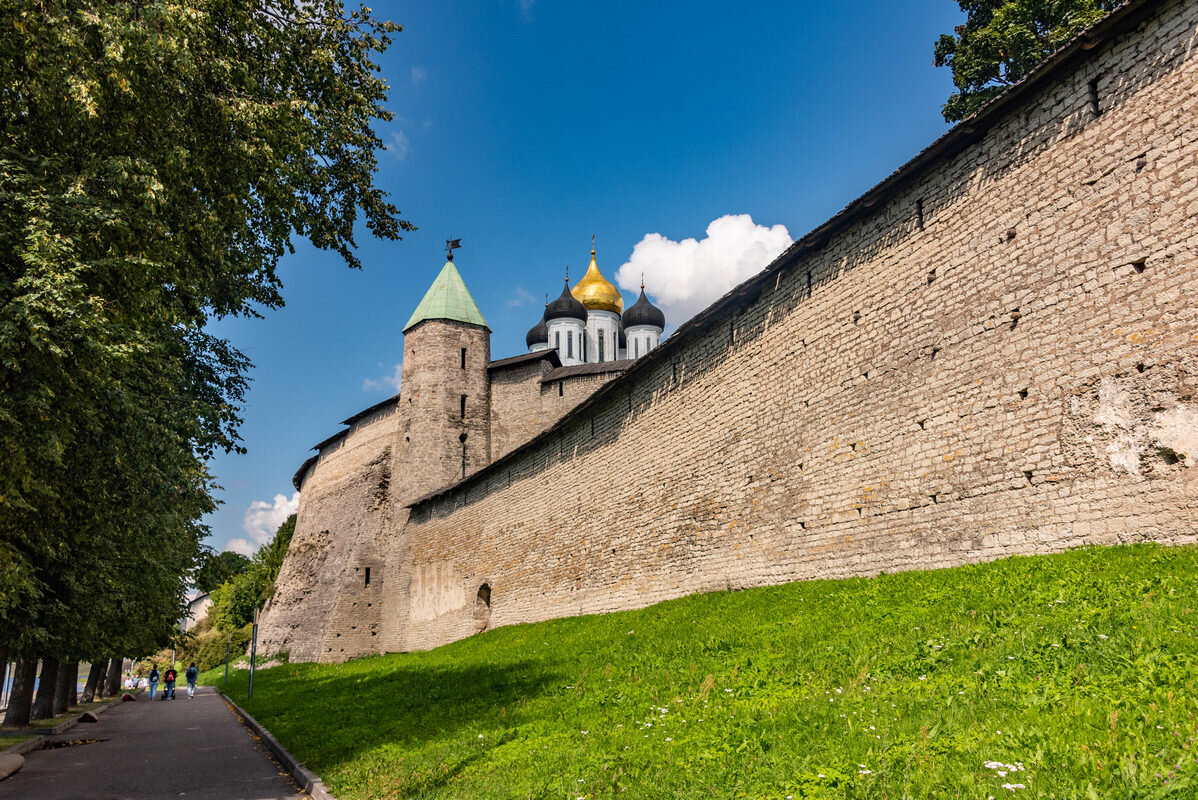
[{"x": 209, "y": 649}]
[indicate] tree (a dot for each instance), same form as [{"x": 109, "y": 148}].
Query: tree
[
  {"x": 216, "y": 568},
  {"x": 1003, "y": 40},
  {"x": 156, "y": 162},
  {"x": 234, "y": 602}
]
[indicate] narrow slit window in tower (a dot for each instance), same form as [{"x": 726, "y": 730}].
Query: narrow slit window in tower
[
  {"x": 463, "y": 410},
  {"x": 557, "y": 341},
  {"x": 583, "y": 343},
  {"x": 463, "y": 358},
  {"x": 367, "y": 577},
  {"x": 636, "y": 348},
  {"x": 569, "y": 344},
  {"x": 601, "y": 346}
]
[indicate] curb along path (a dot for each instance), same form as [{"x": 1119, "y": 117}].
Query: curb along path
[
  {"x": 309, "y": 780},
  {"x": 147, "y": 751}
]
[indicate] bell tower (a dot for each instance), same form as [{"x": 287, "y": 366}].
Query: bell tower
[{"x": 445, "y": 392}]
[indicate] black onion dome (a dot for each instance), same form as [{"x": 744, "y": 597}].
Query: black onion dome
[
  {"x": 565, "y": 307},
  {"x": 538, "y": 335},
  {"x": 644, "y": 313}
]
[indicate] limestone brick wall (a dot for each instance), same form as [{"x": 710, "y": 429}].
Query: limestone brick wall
[
  {"x": 516, "y": 412},
  {"x": 322, "y": 608},
  {"x": 557, "y": 397},
  {"x": 1000, "y": 358}
]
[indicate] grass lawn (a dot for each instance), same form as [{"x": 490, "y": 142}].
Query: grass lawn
[{"x": 1065, "y": 676}]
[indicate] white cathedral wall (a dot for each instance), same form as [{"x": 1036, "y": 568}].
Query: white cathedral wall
[
  {"x": 608, "y": 322},
  {"x": 641, "y": 339},
  {"x": 566, "y": 336}
]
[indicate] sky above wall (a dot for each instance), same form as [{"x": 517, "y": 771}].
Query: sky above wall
[{"x": 694, "y": 139}]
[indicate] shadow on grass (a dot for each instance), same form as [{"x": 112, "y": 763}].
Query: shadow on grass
[{"x": 329, "y": 715}]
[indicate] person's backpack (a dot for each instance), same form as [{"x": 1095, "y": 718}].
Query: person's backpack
[
  {"x": 192, "y": 673},
  {"x": 153, "y": 676},
  {"x": 170, "y": 675}
]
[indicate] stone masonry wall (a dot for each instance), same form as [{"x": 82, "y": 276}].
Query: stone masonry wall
[
  {"x": 516, "y": 414},
  {"x": 1002, "y": 358},
  {"x": 322, "y": 608}
]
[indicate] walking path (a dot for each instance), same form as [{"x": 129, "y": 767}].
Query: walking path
[{"x": 193, "y": 749}]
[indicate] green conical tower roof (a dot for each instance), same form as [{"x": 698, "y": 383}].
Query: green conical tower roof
[{"x": 447, "y": 298}]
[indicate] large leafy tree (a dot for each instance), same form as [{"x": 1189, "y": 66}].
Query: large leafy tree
[
  {"x": 1002, "y": 40},
  {"x": 216, "y": 568},
  {"x": 156, "y": 162},
  {"x": 234, "y": 601}
]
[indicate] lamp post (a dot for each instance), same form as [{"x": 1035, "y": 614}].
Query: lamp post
[{"x": 253, "y": 652}]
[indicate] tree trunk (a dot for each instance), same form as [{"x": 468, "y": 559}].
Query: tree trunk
[
  {"x": 47, "y": 685},
  {"x": 64, "y": 696},
  {"x": 73, "y": 691},
  {"x": 20, "y": 701},
  {"x": 112, "y": 687},
  {"x": 102, "y": 683},
  {"x": 95, "y": 677}
]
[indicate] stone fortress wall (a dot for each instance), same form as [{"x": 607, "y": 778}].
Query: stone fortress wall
[
  {"x": 999, "y": 356},
  {"x": 994, "y": 351}
]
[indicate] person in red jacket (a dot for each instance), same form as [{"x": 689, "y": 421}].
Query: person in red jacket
[{"x": 168, "y": 693}]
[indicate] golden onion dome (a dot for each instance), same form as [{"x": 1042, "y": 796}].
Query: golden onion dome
[{"x": 594, "y": 292}]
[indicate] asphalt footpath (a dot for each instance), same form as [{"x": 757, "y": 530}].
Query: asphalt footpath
[{"x": 195, "y": 749}]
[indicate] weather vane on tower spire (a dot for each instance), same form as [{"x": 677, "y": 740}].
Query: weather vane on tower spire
[{"x": 451, "y": 245}]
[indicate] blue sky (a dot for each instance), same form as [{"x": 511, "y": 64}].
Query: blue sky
[{"x": 525, "y": 126}]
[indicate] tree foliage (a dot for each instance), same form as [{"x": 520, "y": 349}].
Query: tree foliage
[
  {"x": 156, "y": 162},
  {"x": 1003, "y": 40},
  {"x": 234, "y": 601},
  {"x": 216, "y": 568}
]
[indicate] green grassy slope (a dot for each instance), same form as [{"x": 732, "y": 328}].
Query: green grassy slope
[{"x": 1072, "y": 674}]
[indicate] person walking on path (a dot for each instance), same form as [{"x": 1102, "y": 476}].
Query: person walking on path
[
  {"x": 169, "y": 692},
  {"x": 191, "y": 674},
  {"x": 153, "y": 678}
]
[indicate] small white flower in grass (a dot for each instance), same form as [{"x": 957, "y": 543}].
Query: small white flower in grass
[
  {"x": 480, "y": 736},
  {"x": 865, "y": 772},
  {"x": 820, "y": 775},
  {"x": 923, "y": 677},
  {"x": 1010, "y": 787},
  {"x": 584, "y": 733},
  {"x": 872, "y": 728},
  {"x": 839, "y": 690},
  {"x": 669, "y": 738},
  {"x": 727, "y": 690},
  {"x": 1103, "y": 636}
]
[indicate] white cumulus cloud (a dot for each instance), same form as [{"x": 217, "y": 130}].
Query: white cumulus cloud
[
  {"x": 261, "y": 521},
  {"x": 390, "y": 382},
  {"x": 685, "y": 277}
]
